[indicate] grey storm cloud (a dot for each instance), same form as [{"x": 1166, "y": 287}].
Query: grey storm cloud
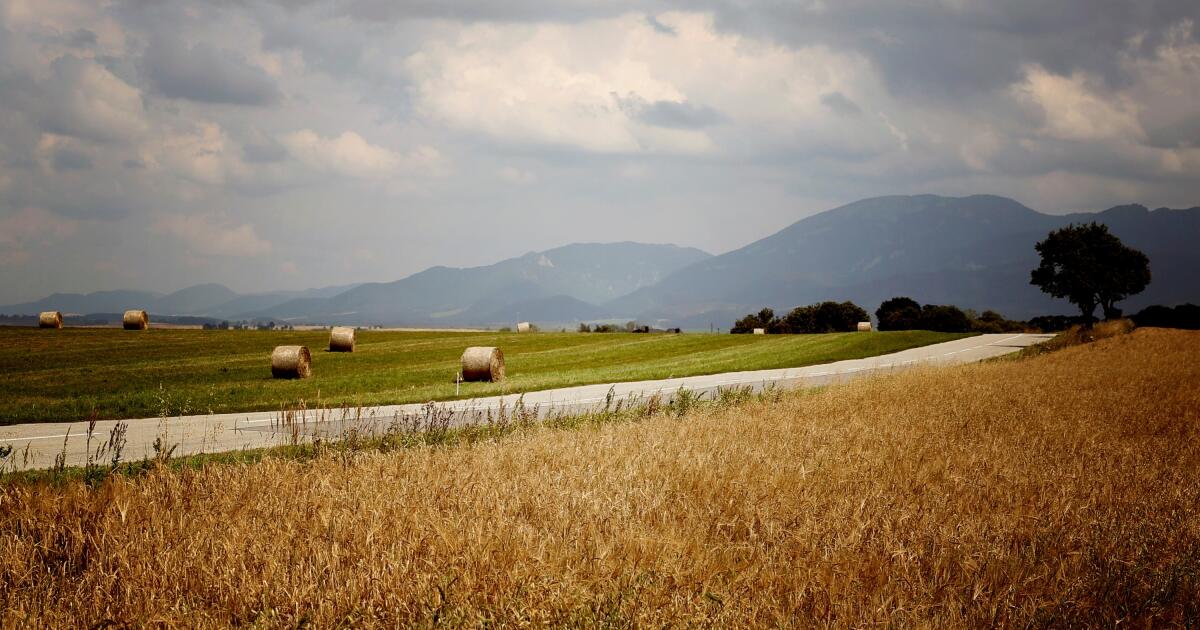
[
  {"x": 82, "y": 38},
  {"x": 1180, "y": 131},
  {"x": 68, "y": 160},
  {"x": 675, "y": 115},
  {"x": 929, "y": 48},
  {"x": 63, "y": 104},
  {"x": 840, "y": 104},
  {"x": 926, "y": 49},
  {"x": 264, "y": 153},
  {"x": 472, "y": 10},
  {"x": 204, "y": 73},
  {"x": 659, "y": 26},
  {"x": 922, "y": 46}
]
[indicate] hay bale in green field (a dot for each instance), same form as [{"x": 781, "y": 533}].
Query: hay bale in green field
[
  {"x": 341, "y": 339},
  {"x": 50, "y": 319},
  {"x": 136, "y": 320},
  {"x": 483, "y": 363},
  {"x": 291, "y": 362}
]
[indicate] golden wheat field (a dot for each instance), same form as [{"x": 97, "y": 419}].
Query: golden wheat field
[{"x": 1062, "y": 489}]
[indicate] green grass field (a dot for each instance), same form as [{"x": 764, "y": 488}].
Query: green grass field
[{"x": 65, "y": 375}]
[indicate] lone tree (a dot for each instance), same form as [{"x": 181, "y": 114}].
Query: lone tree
[{"x": 1089, "y": 266}]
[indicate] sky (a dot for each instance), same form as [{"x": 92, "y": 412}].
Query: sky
[{"x": 282, "y": 145}]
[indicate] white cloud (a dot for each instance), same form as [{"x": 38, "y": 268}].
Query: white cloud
[
  {"x": 1074, "y": 109},
  {"x": 351, "y": 155},
  {"x": 52, "y": 18},
  {"x": 213, "y": 235},
  {"x": 86, "y": 100},
  {"x": 978, "y": 148},
  {"x": 198, "y": 153},
  {"x": 1167, "y": 86},
  {"x": 592, "y": 86}
]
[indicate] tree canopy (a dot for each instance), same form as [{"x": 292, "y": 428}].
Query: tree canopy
[
  {"x": 899, "y": 313},
  {"x": 1090, "y": 267},
  {"x": 905, "y": 313}
]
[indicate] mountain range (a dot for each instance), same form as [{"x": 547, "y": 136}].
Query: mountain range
[
  {"x": 975, "y": 252},
  {"x": 566, "y": 284}
]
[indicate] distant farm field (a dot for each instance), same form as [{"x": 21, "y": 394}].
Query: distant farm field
[{"x": 66, "y": 375}]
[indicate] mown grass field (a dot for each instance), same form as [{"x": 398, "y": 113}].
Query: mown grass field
[
  {"x": 66, "y": 375},
  {"x": 1061, "y": 490}
]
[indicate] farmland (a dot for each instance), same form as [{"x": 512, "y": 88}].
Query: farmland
[
  {"x": 1058, "y": 490},
  {"x": 71, "y": 374}
]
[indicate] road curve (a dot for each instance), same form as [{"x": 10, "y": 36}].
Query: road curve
[{"x": 39, "y": 445}]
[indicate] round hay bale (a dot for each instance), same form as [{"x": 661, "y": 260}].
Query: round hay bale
[
  {"x": 864, "y": 326},
  {"x": 483, "y": 364},
  {"x": 760, "y": 331},
  {"x": 50, "y": 319},
  {"x": 522, "y": 327},
  {"x": 341, "y": 339},
  {"x": 136, "y": 320},
  {"x": 291, "y": 362}
]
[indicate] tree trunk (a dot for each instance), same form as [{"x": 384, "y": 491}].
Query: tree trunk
[
  {"x": 1110, "y": 310},
  {"x": 1088, "y": 319}
]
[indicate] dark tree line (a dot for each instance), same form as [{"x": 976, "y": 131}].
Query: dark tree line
[
  {"x": 1085, "y": 264},
  {"x": 1182, "y": 316},
  {"x": 905, "y": 313},
  {"x": 823, "y": 317},
  {"x": 898, "y": 313}
]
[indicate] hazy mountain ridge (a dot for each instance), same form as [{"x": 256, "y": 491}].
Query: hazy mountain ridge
[
  {"x": 560, "y": 284},
  {"x": 586, "y": 273},
  {"x": 974, "y": 251}
]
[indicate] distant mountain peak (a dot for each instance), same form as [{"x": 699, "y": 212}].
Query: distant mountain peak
[
  {"x": 974, "y": 251},
  {"x": 538, "y": 286},
  {"x": 1129, "y": 209}
]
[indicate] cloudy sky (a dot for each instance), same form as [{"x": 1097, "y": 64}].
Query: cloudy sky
[{"x": 267, "y": 144}]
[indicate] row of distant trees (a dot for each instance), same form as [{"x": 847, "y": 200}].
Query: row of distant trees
[
  {"x": 823, "y": 317},
  {"x": 905, "y": 313},
  {"x": 247, "y": 325},
  {"x": 632, "y": 327},
  {"x": 898, "y": 313},
  {"x": 1085, "y": 264}
]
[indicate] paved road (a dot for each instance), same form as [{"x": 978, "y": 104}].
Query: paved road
[{"x": 38, "y": 445}]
